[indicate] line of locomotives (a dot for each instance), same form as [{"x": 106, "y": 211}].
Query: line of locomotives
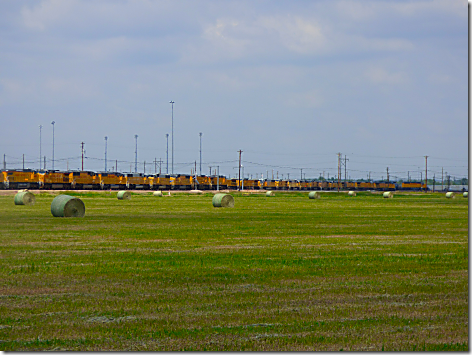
[{"x": 89, "y": 180}]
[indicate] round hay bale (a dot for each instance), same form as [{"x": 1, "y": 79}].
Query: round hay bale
[
  {"x": 450, "y": 194},
  {"x": 223, "y": 200},
  {"x": 270, "y": 193},
  {"x": 351, "y": 193},
  {"x": 124, "y": 195},
  {"x": 465, "y": 194},
  {"x": 157, "y": 193},
  {"x": 387, "y": 194},
  {"x": 314, "y": 194},
  {"x": 67, "y": 206},
  {"x": 24, "y": 197}
]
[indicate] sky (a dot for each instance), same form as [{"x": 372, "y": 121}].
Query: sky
[{"x": 289, "y": 83}]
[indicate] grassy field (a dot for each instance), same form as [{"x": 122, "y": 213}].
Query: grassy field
[{"x": 278, "y": 273}]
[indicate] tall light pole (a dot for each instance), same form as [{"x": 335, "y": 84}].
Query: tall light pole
[
  {"x": 136, "y": 155},
  {"x": 167, "y": 153},
  {"x": 201, "y": 153},
  {"x": 53, "y": 122},
  {"x": 40, "y": 127},
  {"x": 172, "y": 103},
  {"x": 106, "y": 141}
]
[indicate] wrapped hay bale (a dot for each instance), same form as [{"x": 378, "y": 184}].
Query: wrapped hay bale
[
  {"x": 157, "y": 193},
  {"x": 351, "y": 193},
  {"x": 24, "y": 197},
  {"x": 465, "y": 194},
  {"x": 450, "y": 194},
  {"x": 314, "y": 194},
  {"x": 223, "y": 200},
  {"x": 270, "y": 193},
  {"x": 387, "y": 194},
  {"x": 124, "y": 195},
  {"x": 67, "y": 206}
]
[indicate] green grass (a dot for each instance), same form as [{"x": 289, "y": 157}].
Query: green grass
[{"x": 279, "y": 273}]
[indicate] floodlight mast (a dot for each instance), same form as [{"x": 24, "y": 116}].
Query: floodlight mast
[
  {"x": 53, "y": 122},
  {"x": 172, "y": 103},
  {"x": 201, "y": 152},
  {"x": 40, "y": 127},
  {"x": 136, "y": 155}
]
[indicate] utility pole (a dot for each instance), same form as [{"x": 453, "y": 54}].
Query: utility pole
[
  {"x": 145, "y": 167},
  {"x": 301, "y": 174},
  {"x": 167, "y": 153},
  {"x": 155, "y": 165},
  {"x": 196, "y": 181},
  {"x": 434, "y": 181},
  {"x": 210, "y": 171},
  {"x": 345, "y": 168},
  {"x": 200, "y": 152},
  {"x": 442, "y": 179},
  {"x": 136, "y": 155},
  {"x": 82, "y": 144},
  {"x": 426, "y": 175},
  {"x": 239, "y": 180},
  {"x": 40, "y": 127},
  {"x": 172, "y": 103},
  {"x": 23, "y": 162},
  {"x": 106, "y": 141},
  {"x": 4, "y": 162},
  {"x": 388, "y": 177},
  {"x": 53, "y": 122},
  {"x": 339, "y": 170},
  {"x": 218, "y": 179}
]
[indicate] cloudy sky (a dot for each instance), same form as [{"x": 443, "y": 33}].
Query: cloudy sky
[{"x": 290, "y": 83}]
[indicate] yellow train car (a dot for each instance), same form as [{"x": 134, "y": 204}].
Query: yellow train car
[
  {"x": 201, "y": 182},
  {"x": 251, "y": 184},
  {"x": 161, "y": 182},
  {"x": 183, "y": 182},
  {"x": 271, "y": 184},
  {"x": 304, "y": 185},
  {"x": 21, "y": 179},
  {"x": 84, "y": 180},
  {"x": 232, "y": 184},
  {"x": 351, "y": 185},
  {"x": 384, "y": 186},
  {"x": 283, "y": 185},
  {"x": 313, "y": 185},
  {"x": 294, "y": 185},
  {"x": 136, "y": 181},
  {"x": 112, "y": 180},
  {"x": 58, "y": 180},
  {"x": 412, "y": 185},
  {"x": 218, "y": 182},
  {"x": 365, "y": 185},
  {"x": 2, "y": 180},
  {"x": 323, "y": 185}
]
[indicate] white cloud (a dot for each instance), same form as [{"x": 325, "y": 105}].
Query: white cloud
[
  {"x": 381, "y": 76},
  {"x": 298, "y": 34}
]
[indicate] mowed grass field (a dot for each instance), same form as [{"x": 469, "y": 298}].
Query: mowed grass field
[{"x": 273, "y": 273}]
